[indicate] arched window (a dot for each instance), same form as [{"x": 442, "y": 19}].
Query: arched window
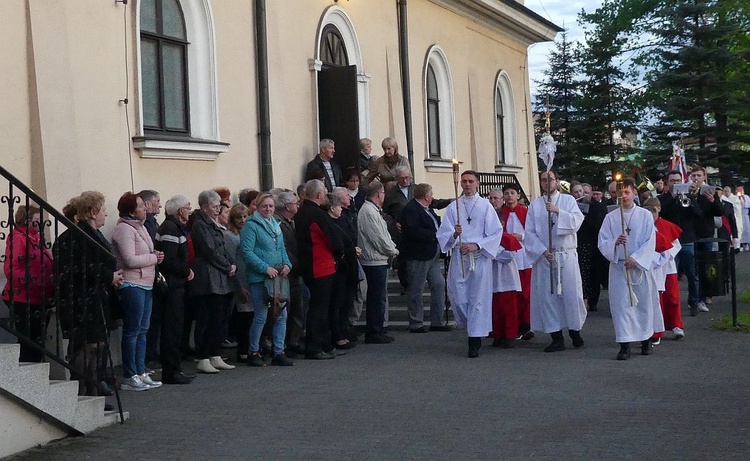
[
  {"x": 164, "y": 73},
  {"x": 178, "y": 102},
  {"x": 332, "y": 48},
  {"x": 438, "y": 94},
  {"x": 499, "y": 127},
  {"x": 505, "y": 129},
  {"x": 433, "y": 114}
]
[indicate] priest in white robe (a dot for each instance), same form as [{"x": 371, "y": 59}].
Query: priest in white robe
[
  {"x": 556, "y": 293},
  {"x": 475, "y": 240},
  {"x": 634, "y": 302}
]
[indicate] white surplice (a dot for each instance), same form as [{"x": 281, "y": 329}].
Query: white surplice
[
  {"x": 558, "y": 304},
  {"x": 664, "y": 264},
  {"x": 514, "y": 226},
  {"x": 636, "y": 322},
  {"x": 505, "y": 272},
  {"x": 470, "y": 293}
]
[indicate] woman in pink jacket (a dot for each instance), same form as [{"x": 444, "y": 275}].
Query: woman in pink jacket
[
  {"x": 28, "y": 270},
  {"x": 137, "y": 258}
]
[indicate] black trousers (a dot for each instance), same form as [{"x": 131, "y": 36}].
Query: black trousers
[
  {"x": 318, "y": 337},
  {"x": 295, "y": 312},
  {"x": 341, "y": 303},
  {"x": 172, "y": 317},
  {"x": 216, "y": 306},
  {"x": 155, "y": 324},
  {"x": 30, "y": 322}
]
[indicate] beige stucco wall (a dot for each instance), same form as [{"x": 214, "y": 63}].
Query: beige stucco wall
[
  {"x": 15, "y": 141},
  {"x": 66, "y": 130}
]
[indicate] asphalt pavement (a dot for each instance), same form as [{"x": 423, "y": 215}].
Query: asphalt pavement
[{"x": 420, "y": 398}]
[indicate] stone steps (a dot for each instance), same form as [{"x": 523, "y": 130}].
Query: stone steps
[{"x": 37, "y": 410}]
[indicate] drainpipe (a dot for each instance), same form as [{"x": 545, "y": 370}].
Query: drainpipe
[
  {"x": 403, "y": 52},
  {"x": 264, "y": 116}
]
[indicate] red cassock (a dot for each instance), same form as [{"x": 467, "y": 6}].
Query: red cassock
[
  {"x": 504, "y": 304},
  {"x": 523, "y": 301},
  {"x": 669, "y": 299}
]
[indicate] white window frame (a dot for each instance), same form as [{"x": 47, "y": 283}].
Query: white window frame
[
  {"x": 504, "y": 86},
  {"x": 204, "y": 141},
  {"x": 436, "y": 59}
]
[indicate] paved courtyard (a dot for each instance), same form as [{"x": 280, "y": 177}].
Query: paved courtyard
[{"x": 420, "y": 398}]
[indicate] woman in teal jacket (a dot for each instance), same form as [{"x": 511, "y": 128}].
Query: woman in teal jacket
[{"x": 265, "y": 258}]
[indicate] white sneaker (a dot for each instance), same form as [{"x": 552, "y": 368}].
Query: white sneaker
[
  {"x": 702, "y": 306},
  {"x": 134, "y": 383},
  {"x": 204, "y": 366},
  {"x": 146, "y": 379},
  {"x": 656, "y": 342},
  {"x": 220, "y": 364},
  {"x": 678, "y": 333}
]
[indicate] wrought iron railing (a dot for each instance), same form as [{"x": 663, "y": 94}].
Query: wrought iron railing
[
  {"x": 55, "y": 287},
  {"x": 491, "y": 181}
]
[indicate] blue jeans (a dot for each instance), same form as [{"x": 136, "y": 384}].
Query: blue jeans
[
  {"x": 260, "y": 303},
  {"x": 685, "y": 262},
  {"x": 377, "y": 279},
  {"x": 136, "y": 315}
]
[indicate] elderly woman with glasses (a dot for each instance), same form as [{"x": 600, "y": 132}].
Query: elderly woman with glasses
[
  {"x": 214, "y": 267},
  {"x": 264, "y": 254},
  {"x": 172, "y": 240}
]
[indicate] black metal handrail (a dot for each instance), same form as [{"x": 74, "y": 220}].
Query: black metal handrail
[
  {"x": 31, "y": 270},
  {"x": 490, "y": 181}
]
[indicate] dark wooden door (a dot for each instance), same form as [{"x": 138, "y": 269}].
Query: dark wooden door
[{"x": 338, "y": 112}]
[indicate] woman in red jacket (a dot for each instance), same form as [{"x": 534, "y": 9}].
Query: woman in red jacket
[{"x": 28, "y": 270}]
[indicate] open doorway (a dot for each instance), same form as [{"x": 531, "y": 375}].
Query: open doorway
[{"x": 338, "y": 111}]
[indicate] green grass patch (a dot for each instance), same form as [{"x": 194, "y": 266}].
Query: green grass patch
[
  {"x": 745, "y": 296},
  {"x": 743, "y": 323}
]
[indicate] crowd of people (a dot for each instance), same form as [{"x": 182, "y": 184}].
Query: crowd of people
[{"x": 285, "y": 274}]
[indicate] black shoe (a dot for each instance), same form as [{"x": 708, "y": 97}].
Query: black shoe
[
  {"x": 693, "y": 310},
  {"x": 441, "y": 328},
  {"x": 104, "y": 389},
  {"x": 352, "y": 336},
  {"x": 506, "y": 343},
  {"x": 475, "y": 344},
  {"x": 646, "y": 347},
  {"x": 419, "y": 330},
  {"x": 527, "y": 335},
  {"x": 227, "y": 344},
  {"x": 497, "y": 342},
  {"x": 346, "y": 346},
  {"x": 558, "y": 342},
  {"x": 378, "y": 339},
  {"x": 576, "y": 337},
  {"x": 179, "y": 378},
  {"x": 109, "y": 407},
  {"x": 294, "y": 351},
  {"x": 256, "y": 360},
  {"x": 624, "y": 353},
  {"x": 555, "y": 346},
  {"x": 320, "y": 356},
  {"x": 281, "y": 360}
]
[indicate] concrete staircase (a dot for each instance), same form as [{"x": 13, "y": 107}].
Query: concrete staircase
[
  {"x": 398, "y": 317},
  {"x": 36, "y": 410}
]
